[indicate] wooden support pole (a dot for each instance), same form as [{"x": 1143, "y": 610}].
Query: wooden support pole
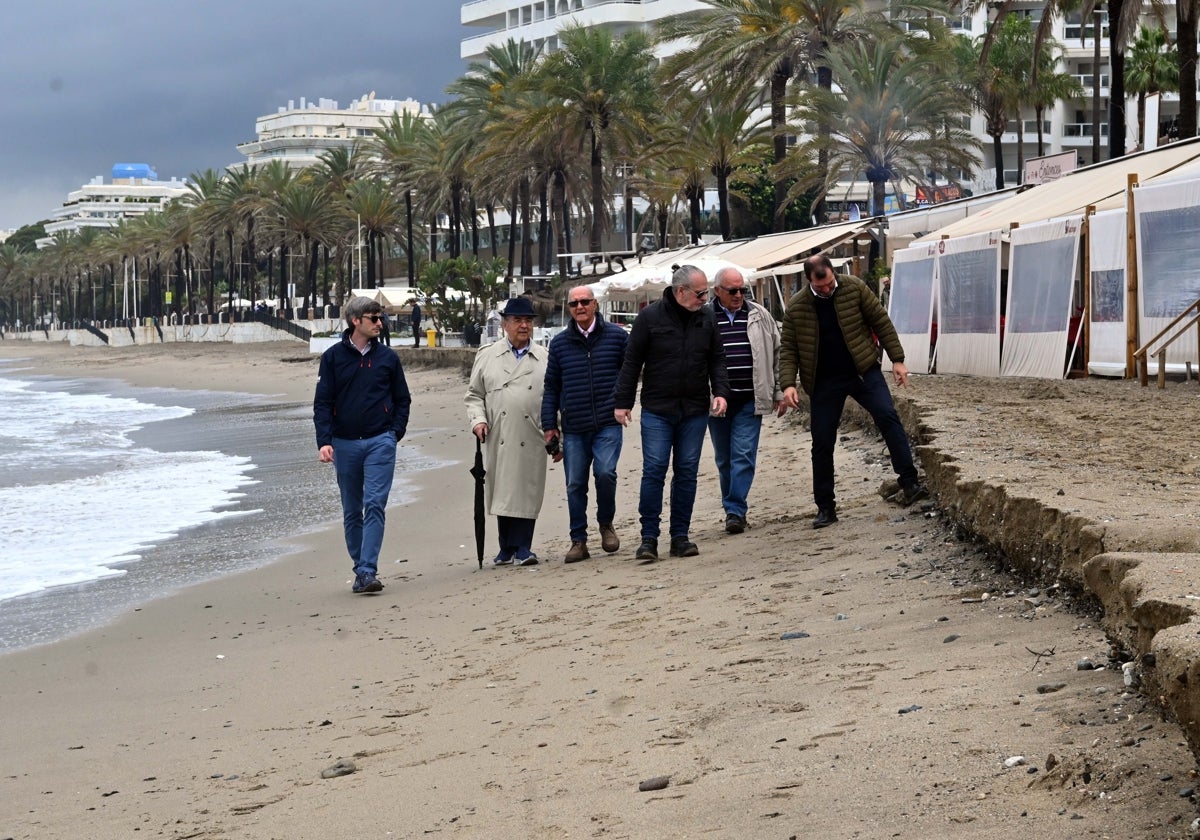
[
  {"x": 1131, "y": 279},
  {"x": 1086, "y": 319}
]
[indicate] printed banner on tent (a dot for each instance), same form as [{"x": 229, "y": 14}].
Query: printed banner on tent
[
  {"x": 910, "y": 304},
  {"x": 1168, "y": 257},
  {"x": 1043, "y": 261},
  {"x": 1107, "y": 332},
  {"x": 968, "y": 304}
]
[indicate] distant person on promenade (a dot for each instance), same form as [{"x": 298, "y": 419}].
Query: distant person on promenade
[
  {"x": 581, "y": 372},
  {"x": 360, "y": 412},
  {"x": 416, "y": 323},
  {"x": 828, "y": 346},
  {"x": 504, "y": 401},
  {"x": 385, "y": 328},
  {"x": 750, "y": 338},
  {"x": 674, "y": 348}
]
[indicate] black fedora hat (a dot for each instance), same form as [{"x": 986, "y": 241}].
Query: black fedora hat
[{"x": 518, "y": 306}]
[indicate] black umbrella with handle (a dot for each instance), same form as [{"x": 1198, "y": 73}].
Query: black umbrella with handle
[{"x": 480, "y": 515}]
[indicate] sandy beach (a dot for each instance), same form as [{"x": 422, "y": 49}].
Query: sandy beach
[{"x": 532, "y": 702}]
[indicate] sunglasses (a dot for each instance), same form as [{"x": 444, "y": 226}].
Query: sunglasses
[
  {"x": 699, "y": 295},
  {"x": 740, "y": 290},
  {"x": 374, "y": 319},
  {"x": 577, "y": 303}
]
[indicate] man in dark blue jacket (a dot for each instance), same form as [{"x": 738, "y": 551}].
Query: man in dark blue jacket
[
  {"x": 581, "y": 372},
  {"x": 675, "y": 348},
  {"x": 360, "y": 412}
]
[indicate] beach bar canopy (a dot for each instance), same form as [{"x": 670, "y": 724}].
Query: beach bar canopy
[{"x": 1100, "y": 185}]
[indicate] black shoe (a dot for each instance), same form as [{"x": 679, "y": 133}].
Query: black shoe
[
  {"x": 825, "y": 517},
  {"x": 366, "y": 583},
  {"x": 912, "y": 494},
  {"x": 683, "y": 547},
  {"x": 734, "y": 524},
  {"x": 647, "y": 551}
]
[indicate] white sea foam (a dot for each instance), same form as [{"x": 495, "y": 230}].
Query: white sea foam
[{"x": 78, "y": 498}]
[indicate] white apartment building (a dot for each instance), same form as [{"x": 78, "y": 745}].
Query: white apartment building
[
  {"x": 298, "y": 135},
  {"x": 133, "y": 191},
  {"x": 538, "y": 22},
  {"x": 1066, "y": 127}
]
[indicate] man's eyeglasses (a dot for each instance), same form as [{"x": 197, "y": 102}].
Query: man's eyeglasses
[
  {"x": 374, "y": 319},
  {"x": 577, "y": 303},
  {"x": 740, "y": 290},
  {"x": 699, "y": 295}
]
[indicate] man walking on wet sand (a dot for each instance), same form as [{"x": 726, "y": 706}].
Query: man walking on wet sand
[
  {"x": 360, "y": 411},
  {"x": 828, "y": 346}
]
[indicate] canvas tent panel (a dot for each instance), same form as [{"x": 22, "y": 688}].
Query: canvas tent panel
[
  {"x": 968, "y": 301},
  {"x": 910, "y": 305},
  {"x": 1107, "y": 331},
  {"x": 1073, "y": 193},
  {"x": 1041, "y": 285},
  {"x": 1168, "y": 253}
]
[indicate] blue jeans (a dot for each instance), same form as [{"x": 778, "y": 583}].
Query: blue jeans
[
  {"x": 735, "y": 445},
  {"x": 676, "y": 441},
  {"x": 364, "y": 474},
  {"x": 825, "y": 410},
  {"x": 597, "y": 451}
]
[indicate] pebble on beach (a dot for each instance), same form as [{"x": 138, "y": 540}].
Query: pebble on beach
[
  {"x": 654, "y": 783},
  {"x": 342, "y": 767}
]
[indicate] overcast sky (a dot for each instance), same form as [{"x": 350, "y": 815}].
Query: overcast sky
[{"x": 178, "y": 83}]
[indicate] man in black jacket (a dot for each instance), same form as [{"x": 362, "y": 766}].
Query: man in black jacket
[
  {"x": 676, "y": 350},
  {"x": 581, "y": 371},
  {"x": 360, "y": 411}
]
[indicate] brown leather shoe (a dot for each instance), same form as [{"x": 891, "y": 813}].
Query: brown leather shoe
[
  {"x": 578, "y": 552},
  {"x": 609, "y": 540}
]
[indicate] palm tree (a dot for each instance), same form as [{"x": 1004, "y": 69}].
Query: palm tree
[
  {"x": 302, "y": 209},
  {"x": 202, "y": 196},
  {"x": 487, "y": 97},
  {"x": 601, "y": 89},
  {"x": 897, "y": 116},
  {"x": 754, "y": 40},
  {"x": 1151, "y": 68},
  {"x": 375, "y": 206},
  {"x": 392, "y": 148}
]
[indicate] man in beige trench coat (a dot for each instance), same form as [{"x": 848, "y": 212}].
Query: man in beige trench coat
[{"x": 504, "y": 404}]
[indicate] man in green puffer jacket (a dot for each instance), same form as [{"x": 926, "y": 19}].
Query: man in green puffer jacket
[{"x": 829, "y": 332}]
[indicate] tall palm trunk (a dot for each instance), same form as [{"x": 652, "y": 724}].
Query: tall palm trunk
[
  {"x": 408, "y": 224},
  {"x": 559, "y": 203},
  {"x": 474, "y": 227},
  {"x": 722, "y": 174},
  {"x": 491, "y": 214},
  {"x": 825, "y": 82},
  {"x": 512, "y": 235},
  {"x": 597, "y": 195},
  {"x": 779, "y": 82},
  {"x": 545, "y": 245},
  {"x": 1186, "y": 12},
  {"x": 526, "y": 229},
  {"x": 1116, "y": 82}
]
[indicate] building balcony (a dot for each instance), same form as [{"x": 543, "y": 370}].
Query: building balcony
[{"x": 1080, "y": 134}]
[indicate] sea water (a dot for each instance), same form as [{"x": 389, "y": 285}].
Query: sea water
[
  {"x": 113, "y": 495},
  {"x": 78, "y": 498}
]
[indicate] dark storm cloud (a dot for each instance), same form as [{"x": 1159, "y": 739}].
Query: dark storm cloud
[{"x": 179, "y": 84}]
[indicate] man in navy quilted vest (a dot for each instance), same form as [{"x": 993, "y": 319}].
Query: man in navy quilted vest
[{"x": 577, "y": 414}]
